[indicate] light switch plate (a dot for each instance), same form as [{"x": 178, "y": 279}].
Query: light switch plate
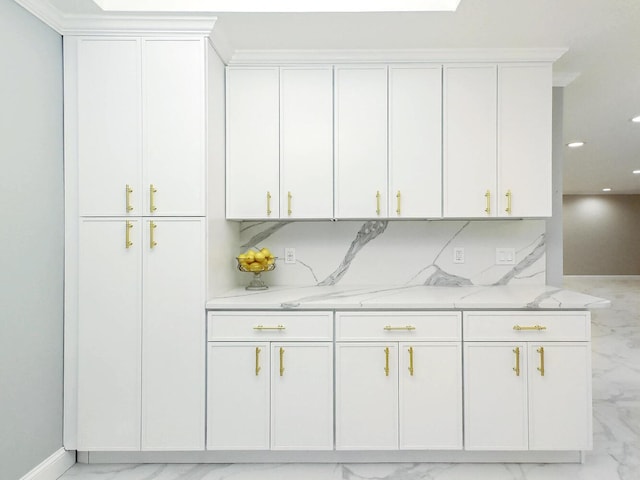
[
  {"x": 505, "y": 256},
  {"x": 289, "y": 255},
  {"x": 458, "y": 255}
]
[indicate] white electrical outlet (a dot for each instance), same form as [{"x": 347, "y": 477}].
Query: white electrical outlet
[
  {"x": 289, "y": 255},
  {"x": 505, "y": 256},
  {"x": 458, "y": 255}
]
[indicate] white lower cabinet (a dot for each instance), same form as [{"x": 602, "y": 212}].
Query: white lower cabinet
[
  {"x": 527, "y": 381},
  {"x": 404, "y": 392},
  {"x": 140, "y": 334},
  {"x": 270, "y": 381}
]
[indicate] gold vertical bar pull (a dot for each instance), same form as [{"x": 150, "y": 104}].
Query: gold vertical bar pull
[
  {"x": 398, "y": 204},
  {"x": 541, "y": 367},
  {"x": 508, "y": 195},
  {"x": 127, "y": 236},
  {"x": 410, "y": 361},
  {"x": 378, "y": 202},
  {"x": 281, "y": 361},
  {"x": 517, "y": 367},
  {"x": 289, "y": 196},
  {"x": 386, "y": 362},
  {"x": 152, "y": 238},
  {"x": 487, "y": 195},
  {"x": 128, "y": 191},
  {"x": 258, "y": 360},
  {"x": 152, "y": 198},
  {"x": 268, "y": 204}
]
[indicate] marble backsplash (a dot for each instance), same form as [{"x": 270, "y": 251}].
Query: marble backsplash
[{"x": 399, "y": 252}]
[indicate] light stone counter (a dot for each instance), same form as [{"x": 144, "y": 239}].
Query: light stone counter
[{"x": 529, "y": 297}]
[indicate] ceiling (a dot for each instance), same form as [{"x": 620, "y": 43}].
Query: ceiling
[{"x": 602, "y": 37}]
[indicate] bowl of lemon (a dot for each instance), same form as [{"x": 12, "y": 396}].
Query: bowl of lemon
[{"x": 256, "y": 261}]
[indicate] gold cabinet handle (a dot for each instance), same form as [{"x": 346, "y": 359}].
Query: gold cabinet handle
[
  {"x": 289, "y": 203},
  {"x": 386, "y": 361},
  {"x": 281, "y": 361},
  {"x": 152, "y": 198},
  {"x": 127, "y": 236},
  {"x": 268, "y": 204},
  {"x": 398, "y": 205},
  {"x": 127, "y": 192},
  {"x": 378, "y": 202},
  {"x": 487, "y": 195},
  {"x": 258, "y": 360},
  {"x": 152, "y": 238},
  {"x": 508, "y": 195},
  {"x": 532, "y": 327},
  {"x": 405, "y": 327},
  {"x": 262, "y": 327},
  {"x": 517, "y": 367},
  {"x": 410, "y": 361},
  {"x": 541, "y": 367}
]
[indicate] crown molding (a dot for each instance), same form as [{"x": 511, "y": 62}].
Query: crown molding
[
  {"x": 279, "y": 57},
  {"x": 118, "y": 24},
  {"x": 562, "y": 79},
  {"x": 221, "y": 45}
]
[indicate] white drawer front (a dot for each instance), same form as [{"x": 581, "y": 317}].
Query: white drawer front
[
  {"x": 299, "y": 326},
  {"x": 369, "y": 326},
  {"x": 527, "y": 326}
]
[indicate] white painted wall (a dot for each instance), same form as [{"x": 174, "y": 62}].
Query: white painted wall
[
  {"x": 554, "y": 224},
  {"x": 31, "y": 241}
]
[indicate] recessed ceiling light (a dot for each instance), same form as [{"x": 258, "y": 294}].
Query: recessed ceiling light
[
  {"x": 278, "y": 5},
  {"x": 637, "y": 172},
  {"x": 575, "y": 144},
  {"x": 636, "y": 119},
  {"x": 606, "y": 189}
]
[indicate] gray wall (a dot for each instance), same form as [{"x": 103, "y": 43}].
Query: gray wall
[
  {"x": 554, "y": 224},
  {"x": 31, "y": 241},
  {"x": 602, "y": 234}
]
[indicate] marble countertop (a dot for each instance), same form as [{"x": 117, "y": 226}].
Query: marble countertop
[{"x": 531, "y": 297}]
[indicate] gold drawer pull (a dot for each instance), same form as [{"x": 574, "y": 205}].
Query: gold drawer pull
[
  {"x": 152, "y": 198},
  {"x": 541, "y": 367},
  {"x": 508, "y": 195},
  {"x": 399, "y": 198},
  {"x": 268, "y": 204},
  {"x": 258, "y": 361},
  {"x": 487, "y": 195},
  {"x": 152, "y": 237},
  {"x": 289, "y": 196},
  {"x": 517, "y": 367},
  {"x": 406, "y": 327},
  {"x": 128, "y": 191},
  {"x": 378, "y": 202},
  {"x": 534, "y": 327},
  {"x": 386, "y": 362},
  {"x": 262, "y": 327},
  {"x": 410, "y": 361},
  {"x": 127, "y": 235}
]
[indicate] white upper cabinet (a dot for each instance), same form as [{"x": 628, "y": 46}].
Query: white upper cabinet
[
  {"x": 109, "y": 123},
  {"x": 524, "y": 140},
  {"x": 469, "y": 140},
  {"x": 306, "y": 143},
  {"x": 360, "y": 141},
  {"x": 140, "y": 125},
  {"x": 253, "y": 143},
  {"x": 173, "y": 94},
  {"x": 415, "y": 131}
]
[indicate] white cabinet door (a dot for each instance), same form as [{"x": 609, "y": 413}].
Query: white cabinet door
[
  {"x": 173, "y": 92},
  {"x": 361, "y": 142},
  {"x": 524, "y": 140},
  {"x": 495, "y": 396},
  {"x": 173, "y": 340},
  {"x": 415, "y": 139},
  {"x": 366, "y": 396},
  {"x": 469, "y": 141},
  {"x": 252, "y": 143},
  {"x": 302, "y": 396},
  {"x": 430, "y": 414},
  {"x": 238, "y": 396},
  {"x": 109, "y": 332},
  {"x": 560, "y": 400},
  {"x": 108, "y": 124},
  {"x": 306, "y": 142}
]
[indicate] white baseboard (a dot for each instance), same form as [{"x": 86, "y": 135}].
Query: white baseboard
[{"x": 53, "y": 467}]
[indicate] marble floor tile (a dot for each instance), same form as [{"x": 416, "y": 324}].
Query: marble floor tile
[{"x": 616, "y": 410}]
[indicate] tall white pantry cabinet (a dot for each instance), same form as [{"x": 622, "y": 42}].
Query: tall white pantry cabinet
[{"x": 135, "y": 121}]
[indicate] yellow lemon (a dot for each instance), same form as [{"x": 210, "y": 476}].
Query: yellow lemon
[
  {"x": 266, "y": 252},
  {"x": 256, "y": 267},
  {"x": 260, "y": 257}
]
